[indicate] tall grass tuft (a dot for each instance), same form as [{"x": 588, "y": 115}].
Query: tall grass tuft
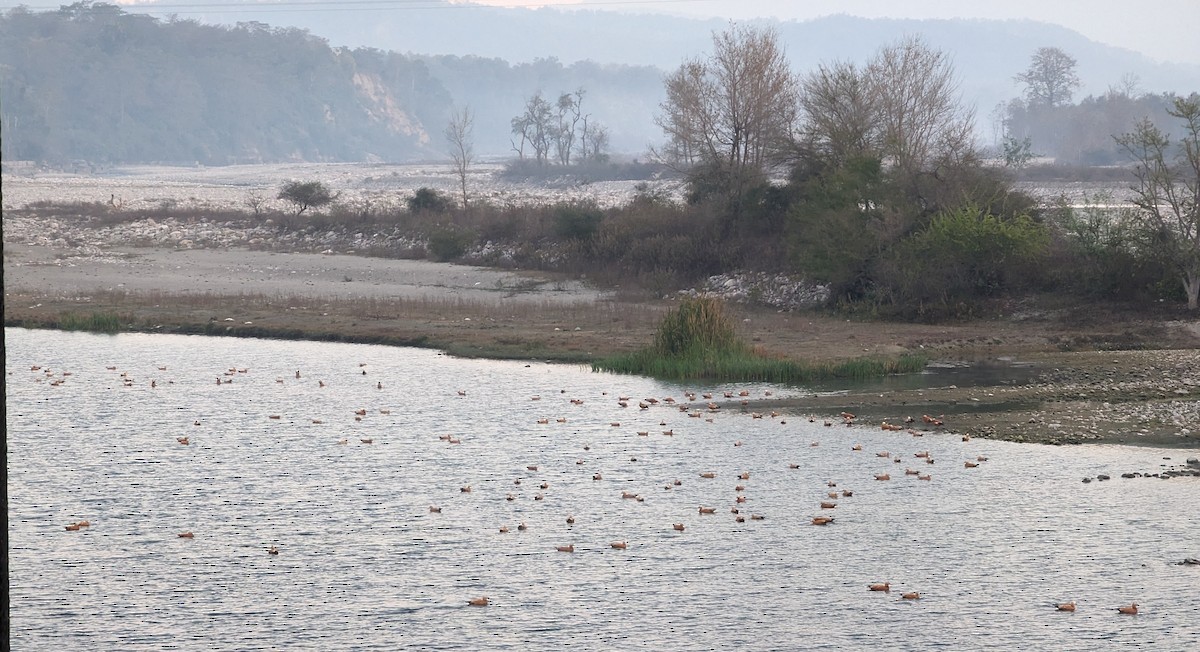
[
  {"x": 96, "y": 322},
  {"x": 699, "y": 326},
  {"x": 697, "y": 340}
]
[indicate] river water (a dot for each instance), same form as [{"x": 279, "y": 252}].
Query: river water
[{"x": 364, "y": 564}]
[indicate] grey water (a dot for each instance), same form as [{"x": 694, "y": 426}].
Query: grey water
[{"x": 364, "y": 564}]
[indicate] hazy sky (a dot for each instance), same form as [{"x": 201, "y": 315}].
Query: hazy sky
[{"x": 1167, "y": 30}]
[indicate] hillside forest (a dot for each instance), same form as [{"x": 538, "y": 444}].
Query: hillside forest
[{"x": 92, "y": 82}]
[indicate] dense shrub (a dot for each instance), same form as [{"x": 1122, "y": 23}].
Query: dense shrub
[
  {"x": 961, "y": 257},
  {"x": 577, "y": 221},
  {"x": 1097, "y": 254},
  {"x": 448, "y": 242},
  {"x": 428, "y": 200},
  {"x": 659, "y": 241}
]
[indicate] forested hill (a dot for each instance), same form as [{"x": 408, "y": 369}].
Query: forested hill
[{"x": 92, "y": 82}]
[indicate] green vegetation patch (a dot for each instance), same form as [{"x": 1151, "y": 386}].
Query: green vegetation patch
[
  {"x": 697, "y": 341},
  {"x": 96, "y": 322}
]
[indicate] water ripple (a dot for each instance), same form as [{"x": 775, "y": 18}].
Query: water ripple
[{"x": 364, "y": 564}]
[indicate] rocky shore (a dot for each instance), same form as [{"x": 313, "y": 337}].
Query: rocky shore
[{"x": 1121, "y": 397}]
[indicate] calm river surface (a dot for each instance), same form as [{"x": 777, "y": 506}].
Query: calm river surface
[{"x": 363, "y": 563}]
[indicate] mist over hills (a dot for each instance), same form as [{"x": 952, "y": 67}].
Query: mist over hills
[
  {"x": 370, "y": 85},
  {"x": 987, "y": 53}
]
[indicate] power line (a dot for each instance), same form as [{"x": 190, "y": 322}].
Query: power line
[{"x": 362, "y": 5}]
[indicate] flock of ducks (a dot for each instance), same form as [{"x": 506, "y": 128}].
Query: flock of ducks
[
  {"x": 829, "y": 501},
  {"x": 1129, "y": 610}
]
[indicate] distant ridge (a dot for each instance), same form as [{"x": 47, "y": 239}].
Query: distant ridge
[{"x": 987, "y": 53}]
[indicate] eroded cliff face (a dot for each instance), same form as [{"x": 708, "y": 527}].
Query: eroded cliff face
[{"x": 383, "y": 108}]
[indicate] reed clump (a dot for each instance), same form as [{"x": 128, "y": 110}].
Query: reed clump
[
  {"x": 698, "y": 340},
  {"x": 96, "y": 322}
]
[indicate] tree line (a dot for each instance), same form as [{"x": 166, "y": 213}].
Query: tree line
[{"x": 1045, "y": 121}]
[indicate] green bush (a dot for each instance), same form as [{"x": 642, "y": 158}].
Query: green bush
[
  {"x": 448, "y": 243},
  {"x": 428, "y": 200},
  {"x": 577, "y": 221},
  {"x": 962, "y": 256},
  {"x": 1097, "y": 254}
]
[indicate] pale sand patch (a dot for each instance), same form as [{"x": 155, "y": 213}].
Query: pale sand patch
[{"x": 45, "y": 270}]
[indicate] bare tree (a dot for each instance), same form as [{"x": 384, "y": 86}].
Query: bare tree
[
  {"x": 594, "y": 141},
  {"x": 1050, "y": 79},
  {"x": 535, "y": 127},
  {"x": 918, "y": 109},
  {"x": 460, "y": 136},
  {"x": 256, "y": 201},
  {"x": 569, "y": 114},
  {"x": 687, "y": 117},
  {"x": 1168, "y": 191},
  {"x": 903, "y": 107},
  {"x": 1129, "y": 86},
  {"x": 733, "y": 108},
  {"x": 840, "y": 112}
]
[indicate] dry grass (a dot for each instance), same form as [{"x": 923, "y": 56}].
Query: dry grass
[{"x": 513, "y": 328}]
